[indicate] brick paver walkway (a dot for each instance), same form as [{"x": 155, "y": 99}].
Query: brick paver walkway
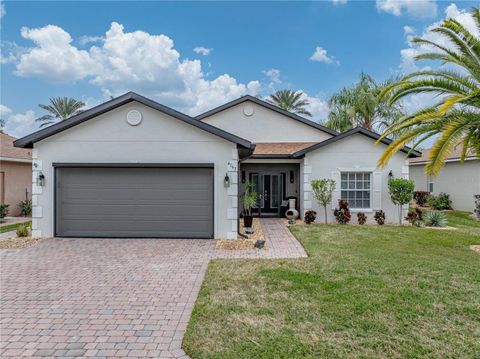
[{"x": 110, "y": 297}]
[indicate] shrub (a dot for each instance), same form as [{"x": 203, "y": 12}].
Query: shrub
[
  {"x": 310, "y": 216},
  {"x": 415, "y": 217},
  {"x": 401, "y": 193},
  {"x": 440, "y": 202},
  {"x": 361, "y": 217},
  {"x": 3, "y": 210},
  {"x": 342, "y": 214},
  {"x": 477, "y": 205},
  {"x": 420, "y": 197},
  {"x": 25, "y": 207},
  {"x": 322, "y": 191},
  {"x": 435, "y": 219},
  {"x": 379, "y": 217},
  {"x": 23, "y": 230}
]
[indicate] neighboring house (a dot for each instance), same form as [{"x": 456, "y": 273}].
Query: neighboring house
[
  {"x": 133, "y": 168},
  {"x": 460, "y": 180},
  {"x": 15, "y": 174}
]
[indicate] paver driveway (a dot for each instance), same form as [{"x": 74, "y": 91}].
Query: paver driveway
[{"x": 100, "y": 297}]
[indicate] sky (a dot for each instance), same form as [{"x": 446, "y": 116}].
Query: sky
[{"x": 194, "y": 56}]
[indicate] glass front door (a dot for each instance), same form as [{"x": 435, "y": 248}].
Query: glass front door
[{"x": 269, "y": 187}]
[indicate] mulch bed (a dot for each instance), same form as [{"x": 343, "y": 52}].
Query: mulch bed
[
  {"x": 244, "y": 243},
  {"x": 19, "y": 242}
]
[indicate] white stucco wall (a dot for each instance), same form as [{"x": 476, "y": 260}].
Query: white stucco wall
[
  {"x": 460, "y": 180},
  {"x": 264, "y": 125},
  {"x": 353, "y": 153},
  {"x": 160, "y": 138}
]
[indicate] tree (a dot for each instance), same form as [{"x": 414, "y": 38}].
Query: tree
[
  {"x": 361, "y": 105},
  {"x": 401, "y": 193},
  {"x": 455, "y": 118},
  {"x": 290, "y": 100},
  {"x": 322, "y": 191},
  {"x": 60, "y": 108}
]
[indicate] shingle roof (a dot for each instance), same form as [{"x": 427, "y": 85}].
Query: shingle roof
[
  {"x": 280, "y": 148},
  {"x": 7, "y": 149},
  {"x": 454, "y": 156}
]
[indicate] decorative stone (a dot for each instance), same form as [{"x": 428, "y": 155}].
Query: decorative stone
[{"x": 292, "y": 214}]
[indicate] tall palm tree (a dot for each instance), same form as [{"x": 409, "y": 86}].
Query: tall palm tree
[
  {"x": 361, "y": 105},
  {"x": 455, "y": 118},
  {"x": 60, "y": 108},
  {"x": 290, "y": 100}
]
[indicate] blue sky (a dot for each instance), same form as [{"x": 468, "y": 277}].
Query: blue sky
[{"x": 196, "y": 55}]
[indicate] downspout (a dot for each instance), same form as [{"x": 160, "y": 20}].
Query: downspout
[{"x": 238, "y": 202}]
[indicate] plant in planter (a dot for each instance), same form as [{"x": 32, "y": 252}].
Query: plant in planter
[
  {"x": 342, "y": 214},
  {"x": 3, "y": 211},
  {"x": 249, "y": 199},
  {"x": 361, "y": 218},
  {"x": 477, "y": 205},
  {"x": 379, "y": 217},
  {"x": 322, "y": 191},
  {"x": 401, "y": 193},
  {"x": 435, "y": 219},
  {"x": 25, "y": 207},
  {"x": 310, "y": 216},
  {"x": 421, "y": 197}
]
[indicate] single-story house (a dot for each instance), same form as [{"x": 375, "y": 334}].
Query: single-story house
[
  {"x": 15, "y": 174},
  {"x": 460, "y": 180},
  {"x": 132, "y": 167}
]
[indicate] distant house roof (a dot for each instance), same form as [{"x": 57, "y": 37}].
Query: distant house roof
[
  {"x": 456, "y": 155},
  {"x": 360, "y": 130},
  {"x": 10, "y": 153},
  {"x": 269, "y": 106},
  {"x": 279, "y": 149},
  {"x": 28, "y": 141}
]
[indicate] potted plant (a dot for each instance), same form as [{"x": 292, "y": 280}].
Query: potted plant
[{"x": 249, "y": 203}]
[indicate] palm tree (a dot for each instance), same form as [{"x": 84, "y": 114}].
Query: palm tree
[
  {"x": 455, "y": 118},
  {"x": 290, "y": 100},
  {"x": 361, "y": 105},
  {"x": 60, "y": 108}
]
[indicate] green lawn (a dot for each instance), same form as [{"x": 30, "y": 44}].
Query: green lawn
[
  {"x": 365, "y": 291},
  {"x": 11, "y": 227}
]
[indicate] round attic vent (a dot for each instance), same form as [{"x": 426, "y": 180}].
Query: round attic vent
[
  {"x": 248, "y": 110},
  {"x": 134, "y": 117}
]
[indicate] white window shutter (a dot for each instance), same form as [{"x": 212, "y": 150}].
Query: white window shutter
[
  {"x": 336, "y": 193},
  {"x": 377, "y": 190}
]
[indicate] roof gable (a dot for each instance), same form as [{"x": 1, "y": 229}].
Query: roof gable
[
  {"x": 7, "y": 150},
  {"x": 28, "y": 141},
  {"x": 270, "y": 107}
]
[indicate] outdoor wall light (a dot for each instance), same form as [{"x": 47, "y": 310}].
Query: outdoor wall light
[
  {"x": 292, "y": 178},
  {"x": 226, "y": 181},
  {"x": 390, "y": 174},
  {"x": 243, "y": 176},
  {"x": 41, "y": 179}
]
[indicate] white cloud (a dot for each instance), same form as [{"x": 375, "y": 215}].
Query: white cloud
[
  {"x": 414, "y": 8},
  {"x": 202, "y": 50},
  {"x": 408, "y": 30},
  {"x": 318, "y": 108},
  {"x": 339, "y": 2},
  {"x": 273, "y": 75},
  {"x": 21, "y": 124},
  {"x": 4, "y": 110},
  {"x": 3, "y": 12},
  {"x": 124, "y": 61},
  {"x": 321, "y": 55},
  {"x": 83, "y": 40}
]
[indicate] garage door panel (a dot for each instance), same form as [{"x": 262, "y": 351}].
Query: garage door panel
[{"x": 135, "y": 202}]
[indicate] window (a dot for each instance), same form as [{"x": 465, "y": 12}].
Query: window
[{"x": 356, "y": 189}]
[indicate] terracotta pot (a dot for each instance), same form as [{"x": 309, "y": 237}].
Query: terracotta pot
[{"x": 247, "y": 221}]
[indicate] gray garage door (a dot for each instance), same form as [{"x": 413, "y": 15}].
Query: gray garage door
[{"x": 134, "y": 202}]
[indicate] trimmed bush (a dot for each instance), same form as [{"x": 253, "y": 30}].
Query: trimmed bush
[
  {"x": 342, "y": 214},
  {"x": 379, "y": 217},
  {"x": 310, "y": 216},
  {"x": 361, "y": 218},
  {"x": 401, "y": 193},
  {"x": 440, "y": 202},
  {"x": 421, "y": 197},
  {"x": 435, "y": 219}
]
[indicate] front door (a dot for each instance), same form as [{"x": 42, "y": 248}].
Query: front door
[{"x": 269, "y": 188}]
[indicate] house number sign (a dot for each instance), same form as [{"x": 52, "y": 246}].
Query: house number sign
[{"x": 232, "y": 166}]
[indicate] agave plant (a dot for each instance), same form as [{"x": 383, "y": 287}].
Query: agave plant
[
  {"x": 435, "y": 219},
  {"x": 455, "y": 118}
]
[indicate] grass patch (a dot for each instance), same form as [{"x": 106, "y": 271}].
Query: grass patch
[
  {"x": 364, "y": 291},
  {"x": 12, "y": 227}
]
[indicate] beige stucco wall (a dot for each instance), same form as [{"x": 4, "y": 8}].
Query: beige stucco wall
[
  {"x": 460, "y": 180},
  {"x": 17, "y": 177},
  {"x": 353, "y": 153},
  {"x": 158, "y": 139},
  {"x": 264, "y": 125}
]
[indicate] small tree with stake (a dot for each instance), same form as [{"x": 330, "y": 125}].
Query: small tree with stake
[
  {"x": 401, "y": 192},
  {"x": 322, "y": 191}
]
